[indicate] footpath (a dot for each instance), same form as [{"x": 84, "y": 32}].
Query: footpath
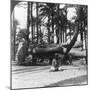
[{"x": 41, "y": 76}]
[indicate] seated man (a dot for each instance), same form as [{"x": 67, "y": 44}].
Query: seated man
[{"x": 56, "y": 62}]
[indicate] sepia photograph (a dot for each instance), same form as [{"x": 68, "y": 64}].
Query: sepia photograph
[{"x": 49, "y": 44}]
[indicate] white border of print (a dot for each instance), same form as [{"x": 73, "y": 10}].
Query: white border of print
[{"x": 5, "y": 43}]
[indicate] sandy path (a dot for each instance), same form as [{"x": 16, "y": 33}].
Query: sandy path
[{"x": 40, "y": 76}]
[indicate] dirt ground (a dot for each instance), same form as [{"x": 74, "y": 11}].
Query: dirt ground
[{"x": 41, "y": 76}]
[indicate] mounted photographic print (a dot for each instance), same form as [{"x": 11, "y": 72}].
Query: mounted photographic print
[{"x": 49, "y": 44}]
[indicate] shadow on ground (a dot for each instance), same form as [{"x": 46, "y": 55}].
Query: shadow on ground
[{"x": 80, "y": 80}]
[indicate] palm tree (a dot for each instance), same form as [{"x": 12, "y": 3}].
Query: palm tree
[
  {"x": 28, "y": 20},
  {"x": 48, "y": 11},
  {"x": 37, "y": 19},
  {"x": 81, "y": 24},
  {"x": 60, "y": 23},
  {"x": 85, "y": 16},
  {"x": 57, "y": 20},
  {"x": 48, "y": 28},
  {"x": 76, "y": 26},
  {"x": 32, "y": 20}
]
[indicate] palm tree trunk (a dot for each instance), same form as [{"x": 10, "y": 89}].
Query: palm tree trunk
[
  {"x": 81, "y": 27},
  {"x": 32, "y": 20},
  {"x": 74, "y": 39},
  {"x": 49, "y": 29},
  {"x": 63, "y": 34},
  {"x": 85, "y": 34},
  {"x": 60, "y": 36},
  {"x": 34, "y": 25},
  {"x": 52, "y": 26},
  {"x": 70, "y": 32},
  {"x": 81, "y": 34},
  {"x": 71, "y": 44},
  {"x": 66, "y": 26},
  {"x": 28, "y": 20},
  {"x": 37, "y": 20},
  {"x": 76, "y": 32},
  {"x": 14, "y": 35},
  {"x": 57, "y": 30}
]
